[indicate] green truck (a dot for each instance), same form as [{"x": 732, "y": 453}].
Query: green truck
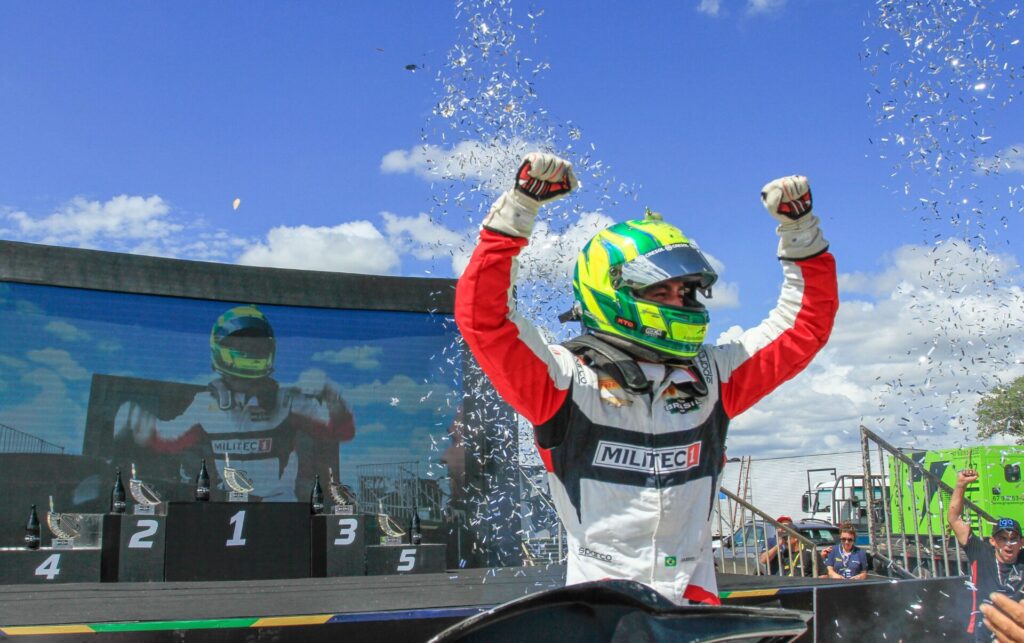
[{"x": 918, "y": 507}]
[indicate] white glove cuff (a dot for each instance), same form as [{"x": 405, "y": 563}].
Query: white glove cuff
[
  {"x": 801, "y": 238},
  {"x": 512, "y": 214}
]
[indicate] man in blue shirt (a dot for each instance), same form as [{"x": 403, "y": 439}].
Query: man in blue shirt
[{"x": 847, "y": 561}]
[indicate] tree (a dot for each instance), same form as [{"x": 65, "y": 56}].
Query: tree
[{"x": 1001, "y": 410}]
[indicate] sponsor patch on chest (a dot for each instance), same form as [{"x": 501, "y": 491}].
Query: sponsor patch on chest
[
  {"x": 611, "y": 393},
  {"x": 247, "y": 445},
  {"x": 681, "y": 404},
  {"x": 628, "y": 457}
]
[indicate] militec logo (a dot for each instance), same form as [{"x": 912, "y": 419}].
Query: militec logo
[
  {"x": 615, "y": 455},
  {"x": 255, "y": 445}
]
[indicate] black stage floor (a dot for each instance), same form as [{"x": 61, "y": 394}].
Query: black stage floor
[{"x": 89, "y": 603}]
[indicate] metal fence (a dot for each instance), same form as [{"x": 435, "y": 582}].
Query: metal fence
[
  {"x": 905, "y": 550},
  {"x": 396, "y": 489},
  {"x": 14, "y": 441},
  {"x": 539, "y": 550},
  {"x": 745, "y": 544}
]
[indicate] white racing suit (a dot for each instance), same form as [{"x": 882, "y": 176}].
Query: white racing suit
[
  {"x": 634, "y": 477},
  {"x": 257, "y": 433}
]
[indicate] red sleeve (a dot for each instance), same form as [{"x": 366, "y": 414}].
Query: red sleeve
[
  {"x": 785, "y": 343},
  {"x": 186, "y": 440},
  {"x": 508, "y": 348},
  {"x": 341, "y": 427}
]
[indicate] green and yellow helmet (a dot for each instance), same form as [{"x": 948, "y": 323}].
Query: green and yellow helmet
[
  {"x": 242, "y": 343},
  {"x": 622, "y": 260}
]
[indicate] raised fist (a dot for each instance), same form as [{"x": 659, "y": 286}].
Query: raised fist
[
  {"x": 545, "y": 177},
  {"x": 965, "y": 477},
  {"x": 787, "y": 199},
  {"x": 541, "y": 178}
]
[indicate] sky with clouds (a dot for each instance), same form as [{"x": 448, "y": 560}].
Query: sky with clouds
[{"x": 370, "y": 137}]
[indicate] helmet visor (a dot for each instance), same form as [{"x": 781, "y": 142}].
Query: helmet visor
[{"x": 670, "y": 262}]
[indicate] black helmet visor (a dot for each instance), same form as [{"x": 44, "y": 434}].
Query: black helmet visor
[{"x": 670, "y": 262}]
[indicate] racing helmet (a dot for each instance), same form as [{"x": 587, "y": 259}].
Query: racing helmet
[
  {"x": 242, "y": 343},
  {"x": 619, "y": 262}
]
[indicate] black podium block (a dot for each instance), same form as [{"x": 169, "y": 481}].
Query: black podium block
[
  {"x": 404, "y": 559},
  {"x": 237, "y": 541},
  {"x": 339, "y": 545},
  {"x": 46, "y": 565},
  {"x": 141, "y": 548}
]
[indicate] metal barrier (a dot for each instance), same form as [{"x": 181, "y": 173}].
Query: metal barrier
[
  {"x": 550, "y": 550},
  {"x": 397, "y": 488},
  {"x": 14, "y": 441},
  {"x": 758, "y": 553},
  {"x": 891, "y": 538}
]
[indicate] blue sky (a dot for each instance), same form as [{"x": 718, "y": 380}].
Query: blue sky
[{"x": 133, "y": 127}]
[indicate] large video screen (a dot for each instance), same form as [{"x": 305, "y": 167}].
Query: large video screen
[{"x": 282, "y": 393}]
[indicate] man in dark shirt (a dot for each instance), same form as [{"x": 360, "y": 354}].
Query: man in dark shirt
[
  {"x": 994, "y": 565},
  {"x": 789, "y": 557}
]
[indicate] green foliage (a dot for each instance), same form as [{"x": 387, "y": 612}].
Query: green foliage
[{"x": 1001, "y": 411}]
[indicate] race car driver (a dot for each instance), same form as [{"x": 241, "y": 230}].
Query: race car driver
[
  {"x": 244, "y": 414},
  {"x": 631, "y": 417}
]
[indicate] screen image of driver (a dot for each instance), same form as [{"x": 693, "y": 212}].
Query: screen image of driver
[{"x": 244, "y": 414}]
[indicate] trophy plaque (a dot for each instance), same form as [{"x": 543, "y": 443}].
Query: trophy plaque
[
  {"x": 392, "y": 532},
  {"x": 238, "y": 481},
  {"x": 64, "y": 526},
  {"x": 146, "y": 497},
  {"x": 343, "y": 497}
]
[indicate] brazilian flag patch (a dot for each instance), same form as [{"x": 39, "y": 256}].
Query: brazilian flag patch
[{"x": 670, "y": 561}]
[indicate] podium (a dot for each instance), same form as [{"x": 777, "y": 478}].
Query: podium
[
  {"x": 90, "y": 558},
  {"x": 237, "y": 541},
  {"x": 339, "y": 545},
  {"x": 142, "y": 541},
  {"x": 20, "y": 566},
  {"x": 404, "y": 559}
]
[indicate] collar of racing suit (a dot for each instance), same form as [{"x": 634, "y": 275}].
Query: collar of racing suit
[{"x": 618, "y": 357}]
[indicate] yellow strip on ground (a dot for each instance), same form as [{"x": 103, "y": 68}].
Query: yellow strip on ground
[
  {"x": 285, "y": 621},
  {"x": 23, "y": 630},
  {"x": 745, "y": 593}
]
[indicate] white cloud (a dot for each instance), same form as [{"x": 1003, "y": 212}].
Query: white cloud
[
  {"x": 710, "y": 7},
  {"x": 943, "y": 325},
  {"x": 490, "y": 164},
  {"x": 362, "y": 358},
  {"x": 82, "y": 222},
  {"x": 401, "y": 391},
  {"x": 356, "y": 246},
  {"x": 1010, "y": 159},
  {"x": 60, "y": 361},
  {"x": 50, "y": 412},
  {"x": 759, "y": 6},
  {"x": 66, "y": 331},
  {"x": 421, "y": 236}
]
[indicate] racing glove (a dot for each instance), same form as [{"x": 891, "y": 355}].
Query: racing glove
[
  {"x": 541, "y": 178},
  {"x": 789, "y": 201}
]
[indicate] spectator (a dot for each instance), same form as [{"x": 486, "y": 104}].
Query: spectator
[
  {"x": 789, "y": 557},
  {"x": 994, "y": 565},
  {"x": 847, "y": 561}
]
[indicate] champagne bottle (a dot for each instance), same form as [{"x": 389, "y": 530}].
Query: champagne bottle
[
  {"x": 316, "y": 497},
  {"x": 118, "y": 504},
  {"x": 415, "y": 533},
  {"x": 32, "y": 530},
  {"x": 203, "y": 483}
]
